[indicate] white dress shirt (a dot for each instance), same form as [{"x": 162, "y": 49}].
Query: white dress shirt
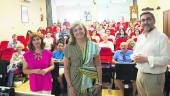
[{"x": 156, "y": 46}]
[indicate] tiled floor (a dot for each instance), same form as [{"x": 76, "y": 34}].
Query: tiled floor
[{"x": 25, "y": 88}]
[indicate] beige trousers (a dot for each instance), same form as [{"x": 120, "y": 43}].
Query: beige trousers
[{"x": 150, "y": 84}]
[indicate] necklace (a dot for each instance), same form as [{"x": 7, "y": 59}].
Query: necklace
[{"x": 38, "y": 55}]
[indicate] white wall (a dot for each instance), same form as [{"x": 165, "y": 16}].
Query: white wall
[
  {"x": 164, "y": 5},
  {"x": 73, "y": 10},
  {"x": 10, "y": 18}
]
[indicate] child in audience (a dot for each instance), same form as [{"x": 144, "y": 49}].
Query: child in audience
[{"x": 58, "y": 56}]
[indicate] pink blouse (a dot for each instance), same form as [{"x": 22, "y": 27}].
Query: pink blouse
[{"x": 39, "y": 82}]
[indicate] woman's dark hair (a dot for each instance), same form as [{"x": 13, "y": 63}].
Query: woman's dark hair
[
  {"x": 59, "y": 43},
  {"x": 122, "y": 29},
  {"x": 137, "y": 30},
  {"x": 107, "y": 30},
  {"x": 67, "y": 40},
  {"x": 29, "y": 31},
  {"x": 30, "y": 45},
  {"x": 119, "y": 34}
]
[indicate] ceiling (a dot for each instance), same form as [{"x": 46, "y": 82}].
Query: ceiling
[
  {"x": 90, "y": 2},
  {"x": 104, "y": 8}
]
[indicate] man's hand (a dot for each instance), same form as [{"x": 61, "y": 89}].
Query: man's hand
[{"x": 140, "y": 58}]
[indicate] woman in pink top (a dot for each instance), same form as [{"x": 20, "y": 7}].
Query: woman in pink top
[{"x": 38, "y": 65}]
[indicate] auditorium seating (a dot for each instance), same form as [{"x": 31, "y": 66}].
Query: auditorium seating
[
  {"x": 3, "y": 45},
  {"x": 106, "y": 61},
  {"x": 7, "y": 54},
  {"x": 23, "y": 40},
  {"x": 106, "y": 55},
  {"x": 126, "y": 73},
  {"x": 119, "y": 41}
]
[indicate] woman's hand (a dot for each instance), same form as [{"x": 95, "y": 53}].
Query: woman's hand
[
  {"x": 97, "y": 90},
  {"x": 44, "y": 71},
  {"x": 73, "y": 91},
  {"x": 40, "y": 71},
  {"x": 37, "y": 71}
]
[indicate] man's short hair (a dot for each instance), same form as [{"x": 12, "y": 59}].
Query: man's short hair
[{"x": 151, "y": 14}]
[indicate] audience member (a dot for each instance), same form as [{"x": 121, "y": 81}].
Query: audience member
[
  {"x": 95, "y": 37},
  {"x": 64, "y": 32},
  {"x": 16, "y": 62},
  {"x": 136, "y": 33},
  {"x": 14, "y": 42},
  {"x": 106, "y": 43},
  {"x": 123, "y": 57},
  {"x": 111, "y": 37},
  {"x": 121, "y": 34},
  {"x": 58, "y": 56},
  {"x": 48, "y": 40}
]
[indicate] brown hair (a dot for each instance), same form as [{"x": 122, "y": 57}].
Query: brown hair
[
  {"x": 72, "y": 38},
  {"x": 33, "y": 35}
]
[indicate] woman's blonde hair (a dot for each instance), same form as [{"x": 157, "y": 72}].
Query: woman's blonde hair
[
  {"x": 20, "y": 45},
  {"x": 72, "y": 40}
]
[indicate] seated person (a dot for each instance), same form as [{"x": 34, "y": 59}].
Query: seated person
[
  {"x": 123, "y": 57},
  {"x": 48, "y": 40},
  {"x": 110, "y": 36},
  {"x": 121, "y": 34},
  {"x": 58, "y": 55},
  {"x": 15, "y": 63},
  {"x": 95, "y": 37},
  {"x": 136, "y": 34},
  {"x": 13, "y": 42},
  {"x": 106, "y": 43}
]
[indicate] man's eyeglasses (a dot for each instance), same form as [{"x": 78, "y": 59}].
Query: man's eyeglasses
[{"x": 147, "y": 19}]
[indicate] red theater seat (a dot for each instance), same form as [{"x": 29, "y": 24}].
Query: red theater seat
[
  {"x": 106, "y": 55},
  {"x": 119, "y": 41},
  {"x": 4, "y": 45},
  {"x": 7, "y": 54}
]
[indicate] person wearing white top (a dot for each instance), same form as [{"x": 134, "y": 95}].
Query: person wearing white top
[
  {"x": 110, "y": 36},
  {"x": 48, "y": 40},
  {"x": 152, "y": 55},
  {"x": 106, "y": 43},
  {"x": 13, "y": 42}
]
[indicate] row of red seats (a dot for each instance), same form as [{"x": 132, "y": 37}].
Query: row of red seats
[
  {"x": 6, "y": 54},
  {"x": 3, "y": 45},
  {"x": 106, "y": 55},
  {"x": 22, "y": 39}
]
